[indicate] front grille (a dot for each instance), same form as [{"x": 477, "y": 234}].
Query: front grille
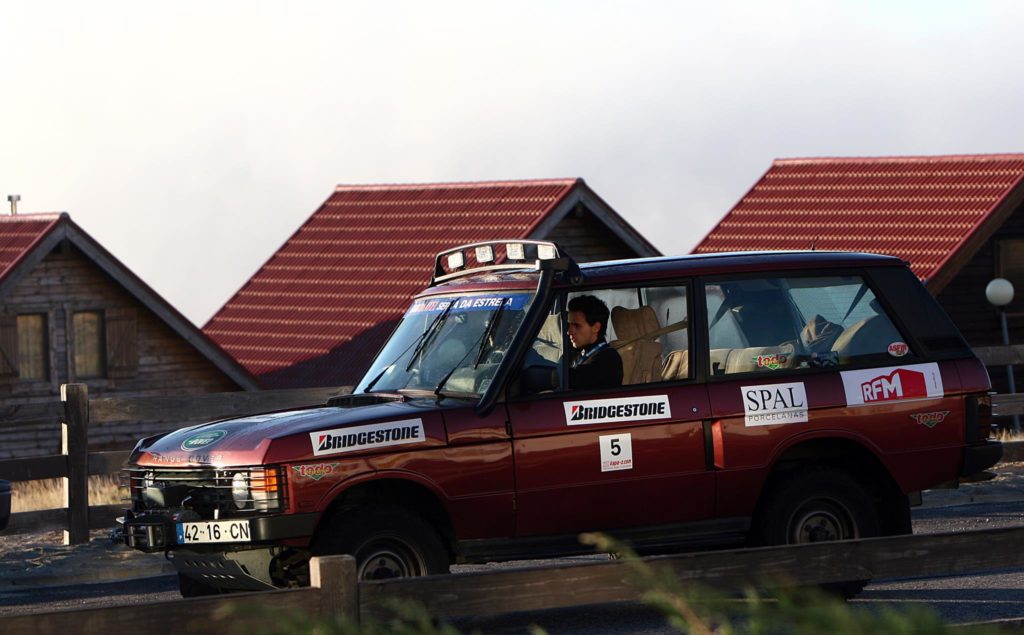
[{"x": 211, "y": 492}]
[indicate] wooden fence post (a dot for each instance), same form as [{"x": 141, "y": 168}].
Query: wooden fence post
[
  {"x": 335, "y": 576},
  {"x": 75, "y": 446}
]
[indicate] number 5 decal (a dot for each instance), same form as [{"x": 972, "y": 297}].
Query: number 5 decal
[{"x": 616, "y": 452}]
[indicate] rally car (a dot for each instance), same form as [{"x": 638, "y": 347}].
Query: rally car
[{"x": 764, "y": 398}]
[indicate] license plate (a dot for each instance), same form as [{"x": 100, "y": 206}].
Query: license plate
[{"x": 216, "y": 531}]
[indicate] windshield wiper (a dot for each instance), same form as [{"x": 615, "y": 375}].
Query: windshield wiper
[
  {"x": 491, "y": 326},
  {"x": 428, "y": 335}
]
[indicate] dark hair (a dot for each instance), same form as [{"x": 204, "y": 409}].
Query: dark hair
[{"x": 593, "y": 309}]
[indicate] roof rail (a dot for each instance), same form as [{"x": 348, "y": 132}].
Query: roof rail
[{"x": 492, "y": 255}]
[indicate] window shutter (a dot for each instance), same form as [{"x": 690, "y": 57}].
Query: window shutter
[
  {"x": 8, "y": 347},
  {"x": 122, "y": 343}
]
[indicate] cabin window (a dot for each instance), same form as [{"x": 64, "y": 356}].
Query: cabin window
[
  {"x": 87, "y": 344},
  {"x": 32, "y": 349}
]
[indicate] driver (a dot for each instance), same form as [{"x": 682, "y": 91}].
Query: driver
[{"x": 597, "y": 365}]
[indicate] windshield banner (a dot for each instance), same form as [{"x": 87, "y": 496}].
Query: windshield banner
[{"x": 469, "y": 303}]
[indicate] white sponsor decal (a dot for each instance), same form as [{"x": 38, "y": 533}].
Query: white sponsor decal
[
  {"x": 894, "y": 383},
  {"x": 773, "y": 404},
  {"x": 377, "y": 435},
  {"x": 578, "y": 413},
  {"x": 616, "y": 452}
]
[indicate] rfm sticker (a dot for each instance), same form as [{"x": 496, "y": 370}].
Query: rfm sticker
[{"x": 616, "y": 452}]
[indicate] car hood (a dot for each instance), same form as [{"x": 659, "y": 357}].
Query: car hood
[{"x": 245, "y": 440}]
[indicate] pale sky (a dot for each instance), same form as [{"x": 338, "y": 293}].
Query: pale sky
[{"x": 192, "y": 138}]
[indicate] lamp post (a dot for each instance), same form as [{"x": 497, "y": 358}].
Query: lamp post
[{"x": 1000, "y": 293}]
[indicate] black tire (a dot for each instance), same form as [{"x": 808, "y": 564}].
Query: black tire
[
  {"x": 387, "y": 542},
  {"x": 819, "y": 505},
  {"x": 192, "y": 588}
]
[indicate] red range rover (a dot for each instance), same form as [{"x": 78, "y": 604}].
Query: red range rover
[{"x": 763, "y": 398}]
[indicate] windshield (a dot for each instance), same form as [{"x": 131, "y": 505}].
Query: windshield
[{"x": 448, "y": 344}]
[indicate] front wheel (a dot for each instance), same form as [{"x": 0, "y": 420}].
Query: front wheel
[
  {"x": 387, "y": 542},
  {"x": 819, "y": 505}
]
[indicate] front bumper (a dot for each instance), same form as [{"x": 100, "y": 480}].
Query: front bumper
[
  {"x": 981, "y": 457},
  {"x": 157, "y": 531}
]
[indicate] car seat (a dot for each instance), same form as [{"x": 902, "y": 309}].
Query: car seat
[
  {"x": 819, "y": 335},
  {"x": 870, "y": 336},
  {"x": 641, "y": 358}
]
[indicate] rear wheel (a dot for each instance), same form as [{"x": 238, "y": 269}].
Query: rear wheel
[
  {"x": 819, "y": 505},
  {"x": 387, "y": 542}
]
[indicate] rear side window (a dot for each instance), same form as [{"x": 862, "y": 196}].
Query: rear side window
[{"x": 769, "y": 324}]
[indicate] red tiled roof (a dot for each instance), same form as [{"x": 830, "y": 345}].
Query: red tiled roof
[
  {"x": 19, "y": 234},
  {"x": 318, "y": 311},
  {"x": 921, "y": 209}
]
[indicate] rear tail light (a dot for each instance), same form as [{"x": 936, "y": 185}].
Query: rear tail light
[{"x": 978, "y": 418}]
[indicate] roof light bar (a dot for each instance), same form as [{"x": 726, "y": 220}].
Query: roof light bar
[
  {"x": 456, "y": 260},
  {"x": 492, "y": 255},
  {"x": 485, "y": 253}
]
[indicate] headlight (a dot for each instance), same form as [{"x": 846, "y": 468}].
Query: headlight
[{"x": 240, "y": 490}]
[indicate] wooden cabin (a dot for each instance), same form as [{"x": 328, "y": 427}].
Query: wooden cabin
[
  {"x": 321, "y": 307},
  {"x": 71, "y": 312},
  {"x": 958, "y": 221}
]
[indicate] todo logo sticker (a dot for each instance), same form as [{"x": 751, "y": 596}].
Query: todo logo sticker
[
  {"x": 930, "y": 419},
  {"x": 202, "y": 440},
  {"x": 774, "y": 404},
  {"x": 616, "y": 452},
  {"x": 895, "y": 383},
  {"x": 315, "y": 471}
]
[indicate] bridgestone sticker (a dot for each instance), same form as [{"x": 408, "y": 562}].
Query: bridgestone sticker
[
  {"x": 581, "y": 413},
  {"x": 774, "y": 404},
  {"x": 895, "y": 383},
  {"x": 616, "y": 452},
  {"x": 377, "y": 435}
]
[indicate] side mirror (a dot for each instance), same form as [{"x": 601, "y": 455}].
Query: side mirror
[{"x": 536, "y": 379}]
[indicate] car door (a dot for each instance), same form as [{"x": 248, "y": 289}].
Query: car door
[{"x": 620, "y": 457}]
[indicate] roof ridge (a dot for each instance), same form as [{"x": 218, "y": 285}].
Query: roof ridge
[
  {"x": 32, "y": 216},
  {"x": 937, "y": 158},
  {"x": 455, "y": 184}
]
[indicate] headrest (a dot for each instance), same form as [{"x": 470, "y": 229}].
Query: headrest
[
  {"x": 630, "y": 323},
  {"x": 819, "y": 333}
]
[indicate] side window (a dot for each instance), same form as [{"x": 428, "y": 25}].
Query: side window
[
  {"x": 647, "y": 330},
  {"x": 87, "y": 344},
  {"x": 32, "y": 348},
  {"x": 769, "y": 324}
]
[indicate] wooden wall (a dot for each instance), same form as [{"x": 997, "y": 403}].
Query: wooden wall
[
  {"x": 146, "y": 356},
  {"x": 587, "y": 239},
  {"x": 964, "y": 300}
]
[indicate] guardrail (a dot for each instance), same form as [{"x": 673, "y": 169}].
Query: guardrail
[
  {"x": 75, "y": 463},
  {"x": 335, "y": 591}
]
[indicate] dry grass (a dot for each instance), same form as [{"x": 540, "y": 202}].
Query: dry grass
[
  {"x": 1007, "y": 434},
  {"x": 27, "y": 496}
]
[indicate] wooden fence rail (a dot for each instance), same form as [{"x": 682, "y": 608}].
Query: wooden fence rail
[
  {"x": 75, "y": 464},
  {"x": 334, "y": 589}
]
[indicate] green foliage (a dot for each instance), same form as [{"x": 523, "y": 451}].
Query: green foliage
[{"x": 689, "y": 609}]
